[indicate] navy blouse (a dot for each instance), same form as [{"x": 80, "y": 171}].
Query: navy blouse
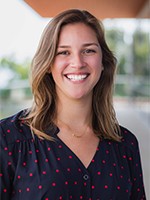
[{"x": 34, "y": 169}]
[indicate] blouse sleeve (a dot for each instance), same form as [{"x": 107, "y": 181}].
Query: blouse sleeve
[
  {"x": 138, "y": 191},
  {"x": 6, "y": 167}
]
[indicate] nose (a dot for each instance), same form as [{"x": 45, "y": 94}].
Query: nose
[{"x": 77, "y": 61}]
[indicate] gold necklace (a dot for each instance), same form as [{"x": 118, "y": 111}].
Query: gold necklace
[
  {"x": 78, "y": 136},
  {"x": 73, "y": 134}
]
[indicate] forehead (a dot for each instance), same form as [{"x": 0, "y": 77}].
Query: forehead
[{"x": 78, "y": 31}]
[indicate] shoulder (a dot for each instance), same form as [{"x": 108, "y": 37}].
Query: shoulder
[
  {"x": 12, "y": 129},
  {"x": 129, "y": 140}
]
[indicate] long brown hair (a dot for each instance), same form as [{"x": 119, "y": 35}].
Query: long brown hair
[{"x": 42, "y": 113}]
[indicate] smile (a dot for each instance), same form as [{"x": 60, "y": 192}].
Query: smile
[{"x": 73, "y": 77}]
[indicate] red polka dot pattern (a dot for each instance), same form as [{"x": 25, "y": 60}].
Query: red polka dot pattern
[{"x": 44, "y": 170}]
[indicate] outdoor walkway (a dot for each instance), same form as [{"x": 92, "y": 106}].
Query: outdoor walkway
[{"x": 137, "y": 120}]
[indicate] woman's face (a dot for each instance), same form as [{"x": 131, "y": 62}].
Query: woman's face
[{"x": 77, "y": 64}]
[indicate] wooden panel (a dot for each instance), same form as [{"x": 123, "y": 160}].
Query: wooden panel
[{"x": 100, "y": 8}]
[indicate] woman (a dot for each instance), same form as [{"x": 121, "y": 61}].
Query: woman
[{"x": 69, "y": 145}]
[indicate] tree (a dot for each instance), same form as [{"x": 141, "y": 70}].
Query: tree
[
  {"x": 141, "y": 52},
  {"x": 19, "y": 70}
]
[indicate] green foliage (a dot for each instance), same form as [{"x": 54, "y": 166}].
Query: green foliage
[
  {"x": 140, "y": 50},
  {"x": 121, "y": 65},
  {"x": 115, "y": 40},
  {"x": 114, "y": 37},
  {"x": 141, "y": 53},
  {"x": 19, "y": 70},
  {"x": 120, "y": 90},
  {"x": 5, "y": 94}
]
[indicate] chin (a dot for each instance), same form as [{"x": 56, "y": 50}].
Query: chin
[{"x": 80, "y": 96}]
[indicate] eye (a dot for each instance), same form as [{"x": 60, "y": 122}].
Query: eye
[
  {"x": 89, "y": 51},
  {"x": 62, "y": 53}
]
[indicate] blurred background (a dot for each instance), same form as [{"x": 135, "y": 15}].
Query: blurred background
[{"x": 127, "y": 36}]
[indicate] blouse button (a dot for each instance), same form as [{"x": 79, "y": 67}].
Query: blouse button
[{"x": 86, "y": 177}]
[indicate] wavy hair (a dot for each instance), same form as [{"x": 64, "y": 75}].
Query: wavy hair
[{"x": 43, "y": 111}]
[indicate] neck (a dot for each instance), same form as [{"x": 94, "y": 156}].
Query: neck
[{"x": 75, "y": 113}]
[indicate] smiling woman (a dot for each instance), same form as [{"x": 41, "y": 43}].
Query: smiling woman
[
  {"x": 78, "y": 63},
  {"x": 70, "y": 134}
]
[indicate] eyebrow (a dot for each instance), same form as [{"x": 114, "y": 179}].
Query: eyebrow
[
  {"x": 84, "y": 45},
  {"x": 90, "y": 44}
]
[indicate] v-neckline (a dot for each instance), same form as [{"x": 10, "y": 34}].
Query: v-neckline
[{"x": 76, "y": 156}]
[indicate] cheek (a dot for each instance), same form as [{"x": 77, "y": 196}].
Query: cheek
[
  {"x": 56, "y": 67},
  {"x": 97, "y": 66},
  {"x": 59, "y": 65}
]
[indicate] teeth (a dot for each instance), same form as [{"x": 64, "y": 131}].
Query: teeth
[{"x": 76, "y": 77}]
